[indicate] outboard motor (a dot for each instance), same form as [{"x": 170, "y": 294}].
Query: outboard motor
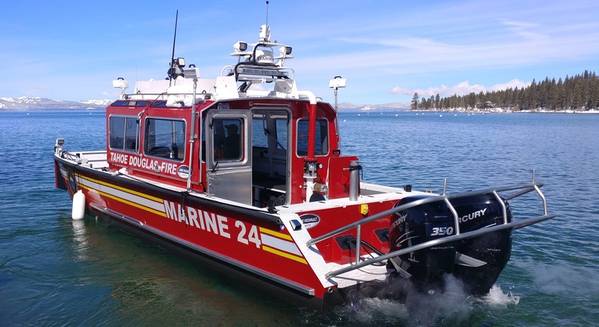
[
  {"x": 492, "y": 250},
  {"x": 476, "y": 261}
]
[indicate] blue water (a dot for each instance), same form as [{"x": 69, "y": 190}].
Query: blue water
[{"x": 55, "y": 271}]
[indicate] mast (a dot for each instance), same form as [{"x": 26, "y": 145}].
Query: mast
[{"x": 173, "y": 65}]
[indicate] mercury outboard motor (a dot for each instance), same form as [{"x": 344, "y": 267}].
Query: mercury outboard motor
[
  {"x": 477, "y": 261},
  {"x": 492, "y": 250}
]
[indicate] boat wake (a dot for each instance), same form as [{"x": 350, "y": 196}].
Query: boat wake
[
  {"x": 452, "y": 306},
  {"x": 560, "y": 278}
]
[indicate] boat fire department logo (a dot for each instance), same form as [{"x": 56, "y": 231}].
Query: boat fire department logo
[{"x": 310, "y": 220}]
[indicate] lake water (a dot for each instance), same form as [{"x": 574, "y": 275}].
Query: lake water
[{"x": 54, "y": 271}]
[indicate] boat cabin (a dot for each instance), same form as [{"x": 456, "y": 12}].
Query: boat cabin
[{"x": 248, "y": 136}]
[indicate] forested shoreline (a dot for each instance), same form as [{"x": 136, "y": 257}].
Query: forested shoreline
[{"x": 572, "y": 93}]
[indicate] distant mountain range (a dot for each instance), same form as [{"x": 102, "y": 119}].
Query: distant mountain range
[
  {"x": 350, "y": 107},
  {"x": 35, "y": 103},
  {"x": 28, "y": 102}
]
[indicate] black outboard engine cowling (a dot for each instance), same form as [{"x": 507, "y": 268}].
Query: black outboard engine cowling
[
  {"x": 494, "y": 249},
  {"x": 477, "y": 261}
]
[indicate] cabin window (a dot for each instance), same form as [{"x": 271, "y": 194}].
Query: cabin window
[
  {"x": 259, "y": 128},
  {"x": 131, "y": 132},
  {"x": 261, "y": 132},
  {"x": 165, "y": 138},
  {"x": 321, "y": 139},
  {"x": 124, "y": 133},
  {"x": 228, "y": 139},
  {"x": 281, "y": 126}
]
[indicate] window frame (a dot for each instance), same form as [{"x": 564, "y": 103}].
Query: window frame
[
  {"x": 137, "y": 138},
  {"x": 242, "y": 145},
  {"x": 297, "y": 138},
  {"x": 184, "y": 135}
]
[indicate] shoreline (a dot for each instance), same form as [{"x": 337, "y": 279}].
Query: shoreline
[{"x": 570, "y": 112}]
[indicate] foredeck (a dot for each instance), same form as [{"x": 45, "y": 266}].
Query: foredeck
[{"x": 89, "y": 159}]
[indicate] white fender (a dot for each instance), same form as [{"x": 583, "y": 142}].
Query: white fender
[{"x": 78, "y": 210}]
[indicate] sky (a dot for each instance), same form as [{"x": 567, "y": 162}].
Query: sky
[{"x": 387, "y": 50}]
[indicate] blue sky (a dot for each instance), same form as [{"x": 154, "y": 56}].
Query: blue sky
[{"x": 386, "y": 49}]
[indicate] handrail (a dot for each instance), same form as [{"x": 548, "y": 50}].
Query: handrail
[
  {"x": 439, "y": 241},
  {"x": 542, "y": 196},
  {"x": 503, "y": 206},
  {"x": 454, "y": 212},
  {"x": 376, "y": 216},
  {"x": 160, "y": 95},
  {"x": 528, "y": 187}
]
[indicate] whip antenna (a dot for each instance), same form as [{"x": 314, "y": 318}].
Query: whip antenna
[
  {"x": 172, "y": 69},
  {"x": 267, "y": 2}
]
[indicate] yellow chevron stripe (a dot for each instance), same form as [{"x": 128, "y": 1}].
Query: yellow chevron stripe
[
  {"x": 149, "y": 197},
  {"x": 137, "y": 205},
  {"x": 284, "y": 254},
  {"x": 276, "y": 234}
]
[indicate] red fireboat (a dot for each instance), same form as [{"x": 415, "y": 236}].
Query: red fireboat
[{"x": 247, "y": 169}]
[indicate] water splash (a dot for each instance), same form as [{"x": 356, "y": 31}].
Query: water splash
[
  {"x": 452, "y": 304},
  {"x": 498, "y": 298}
]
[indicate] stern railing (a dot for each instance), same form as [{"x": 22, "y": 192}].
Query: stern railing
[{"x": 519, "y": 190}]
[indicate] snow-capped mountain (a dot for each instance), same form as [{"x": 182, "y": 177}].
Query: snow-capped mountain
[
  {"x": 33, "y": 103},
  {"x": 347, "y": 107},
  {"x": 98, "y": 102},
  {"x": 30, "y": 102}
]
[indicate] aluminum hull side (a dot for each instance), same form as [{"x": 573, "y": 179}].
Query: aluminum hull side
[{"x": 250, "y": 240}]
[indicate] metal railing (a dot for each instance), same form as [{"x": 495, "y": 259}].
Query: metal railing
[
  {"x": 439, "y": 241},
  {"x": 519, "y": 191},
  {"x": 79, "y": 157}
]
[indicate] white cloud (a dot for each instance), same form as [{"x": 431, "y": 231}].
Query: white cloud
[
  {"x": 418, "y": 55},
  {"x": 460, "y": 89},
  {"x": 526, "y": 30},
  {"x": 515, "y": 83}
]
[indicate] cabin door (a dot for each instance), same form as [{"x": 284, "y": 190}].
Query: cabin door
[{"x": 229, "y": 155}]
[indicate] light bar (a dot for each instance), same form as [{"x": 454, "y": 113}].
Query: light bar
[{"x": 257, "y": 72}]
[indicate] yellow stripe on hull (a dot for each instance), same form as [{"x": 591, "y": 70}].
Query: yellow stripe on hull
[
  {"x": 276, "y": 234},
  {"x": 284, "y": 254},
  {"x": 149, "y": 197},
  {"x": 137, "y": 205}
]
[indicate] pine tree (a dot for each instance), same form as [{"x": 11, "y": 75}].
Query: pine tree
[
  {"x": 578, "y": 92},
  {"x": 415, "y": 101}
]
